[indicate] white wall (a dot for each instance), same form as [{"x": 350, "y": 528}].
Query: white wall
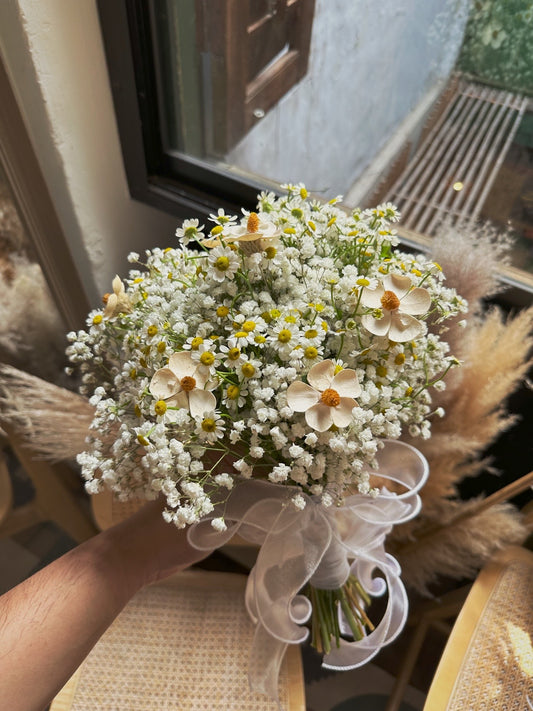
[
  {"x": 54, "y": 55},
  {"x": 371, "y": 64}
]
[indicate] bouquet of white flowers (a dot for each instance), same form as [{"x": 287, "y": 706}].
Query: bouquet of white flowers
[{"x": 278, "y": 354}]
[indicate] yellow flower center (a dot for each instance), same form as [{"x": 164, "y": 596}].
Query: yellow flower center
[
  {"x": 222, "y": 264},
  {"x": 133, "y": 373},
  {"x": 310, "y": 352},
  {"x": 137, "y": 411},
  {"x": 253, "y": 222},
  {"x": 390, "y": 301},
  {"x": 207, "y": 358},
  {"x": 330, "y": 397},
  {"x": 188, "y": 383},
  {"x": 222, "y": 311},
  {"x": 196, "y": 343},
  {"x": 381, "y": 371},
  {"x": 217, "y": 229},
  {"x": 233, "y": 392},
  {"x": 234, "y": 353},
  {"x": 161, "y": 347},
  {"x": 142, "y": 440},
  {"x": 152, "y": 330},
  {"x": 362, "y": 282},
  {"x": 241, "y": 334},
  {"x": 247, "y": 370},
  {"x": 160, "y": 407},
  {"x": 284, "y": 336},
  {"x": 259, "y": 338},
  {"x": 208, "y": 424},
  {"x": 97, "y": 319},
  {"x": 400, "y": 359},
  {"x": 271, "y": 252},
  {"x": 311, "y": 333},
  {"x": 248, "y": 326}
]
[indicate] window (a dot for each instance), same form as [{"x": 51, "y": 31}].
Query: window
[{"x": 424, "y": 104}]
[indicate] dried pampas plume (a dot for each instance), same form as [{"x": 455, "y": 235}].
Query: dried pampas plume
[
  {"x": 51, "y": 421},
  {"x": 451, "y": 537}
]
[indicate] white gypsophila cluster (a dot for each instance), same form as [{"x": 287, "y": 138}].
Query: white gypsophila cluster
[{"x": 283, "y": 345}]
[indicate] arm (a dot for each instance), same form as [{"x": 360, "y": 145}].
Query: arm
[{"x": 50, "y": 622}]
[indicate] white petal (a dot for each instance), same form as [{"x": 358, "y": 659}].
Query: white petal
[
  {"x": 416, "y": 302},
  {"x": 346, "y": 383},
  {"x": 342, "y": 414},
  {"x": 372, "y": 297},
  {"x": 110, "y": 307},
  {"x": 398, "y": 283},
  {"x": 118, "y": 286},
  {"x": 319, "y": 417},
  {"x": 182, "y": 364},
  {"x": 201, "y": 401},
  {"x": 379, "y": 327},
  {"x": 180, "y": 400},
  {"x": 321, "y": 374},
  {"x": 405, "y": 327},
  {"x": 300, "y": 396},
  {"x": 164, "y": 384}
]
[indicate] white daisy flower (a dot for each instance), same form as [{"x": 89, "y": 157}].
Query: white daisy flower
[
  {"x": 181, "y": 384},
  {"x": 329, "y": 397},
  {"x": 397, "y": 303},
  {"x": 223, "y": 263}
]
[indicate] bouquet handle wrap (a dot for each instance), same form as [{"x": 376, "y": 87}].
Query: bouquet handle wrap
[{"x": 321, "y": 546}]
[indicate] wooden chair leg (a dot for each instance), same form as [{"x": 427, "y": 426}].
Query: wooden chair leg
[{"x": 53, "y": 499}]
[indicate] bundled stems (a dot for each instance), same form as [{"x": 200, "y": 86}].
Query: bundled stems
[{"x": 351, "y": 598}]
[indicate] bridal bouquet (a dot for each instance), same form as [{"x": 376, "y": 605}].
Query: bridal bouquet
[{"x": 258, "y": 375}]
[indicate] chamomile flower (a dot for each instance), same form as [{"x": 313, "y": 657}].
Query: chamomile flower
[
  {"x": 189, "y": 230},
  {"x": 223, "y": 263},
  {"x": 210, "y": 426}
]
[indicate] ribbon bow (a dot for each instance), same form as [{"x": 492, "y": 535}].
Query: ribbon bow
[{"x": 321, "y": 546}]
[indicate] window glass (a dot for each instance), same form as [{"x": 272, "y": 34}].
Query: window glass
[{"x": 421, "y": 102}]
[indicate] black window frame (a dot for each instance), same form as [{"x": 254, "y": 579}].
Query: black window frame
[{"x": 182, "y": 185}]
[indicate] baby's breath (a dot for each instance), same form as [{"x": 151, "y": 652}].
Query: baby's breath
[{"x": 280, "y": 318}]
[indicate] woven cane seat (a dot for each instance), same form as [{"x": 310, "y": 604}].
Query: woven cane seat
[
  {"x": 179, "y": 645},
  {"x": 488, "y": 661}
]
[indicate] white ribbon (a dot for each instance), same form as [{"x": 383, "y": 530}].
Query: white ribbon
[{"x": 320, "y": 546}]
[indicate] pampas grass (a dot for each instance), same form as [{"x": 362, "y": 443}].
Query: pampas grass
[
  {"x": 453, "y": 538},
  {"x": 52, "y": 421}
]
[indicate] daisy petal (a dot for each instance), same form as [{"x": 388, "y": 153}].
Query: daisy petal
[
  {"x": 342, "y": 414},
  {"x": 416, "y": 302},
  {"x": 182, "y": 364},
  {"x": 398, "y": 283},
  {"x": 346, "y": 383},
  {"x": 321, "y": 374},
  {"x": 164, "y": 384},
  {"x": 179, "y": 400},
  {"x": 372, "y": 297},
  {"x": 379, "y": 327},
  {"x": 301, "y": 396},
  {"x": 405, "y": 327},
  {"x": 319, "y": 417},
  {"x": 201, "y": 401}
]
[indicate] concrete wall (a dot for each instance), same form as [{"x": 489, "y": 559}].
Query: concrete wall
[{"x": 371, "y": 64}]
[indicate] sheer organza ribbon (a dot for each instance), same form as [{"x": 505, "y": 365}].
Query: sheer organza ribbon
[{"x": 321, "y": 546}]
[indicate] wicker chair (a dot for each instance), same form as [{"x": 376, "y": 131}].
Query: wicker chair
[
  {"x": 180, "y": 644},
  {"x": 488, "y": 659}
]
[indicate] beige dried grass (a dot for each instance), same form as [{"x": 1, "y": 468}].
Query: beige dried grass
[{"x": 451, "y": 537}]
